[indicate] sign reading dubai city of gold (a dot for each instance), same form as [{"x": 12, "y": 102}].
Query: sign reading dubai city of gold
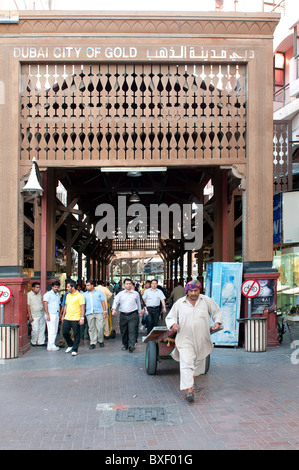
[{"x": 130, "y": 52}]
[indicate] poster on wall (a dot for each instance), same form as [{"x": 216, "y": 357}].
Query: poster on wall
[
  {"x": 223, "y": 285},
  {"x": 265, "y": 298},
  {"x": 277, "y": 218}
]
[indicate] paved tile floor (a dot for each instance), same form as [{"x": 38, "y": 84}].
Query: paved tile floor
[{"x": 50, "y": 400}]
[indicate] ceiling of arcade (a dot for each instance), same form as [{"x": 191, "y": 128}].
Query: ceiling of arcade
[{"x": 87, "y": 188}]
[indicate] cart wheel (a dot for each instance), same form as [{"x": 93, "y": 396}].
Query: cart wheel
[
  {"x": 151, "y": 358},
  {"x": 207, "y": 363}
]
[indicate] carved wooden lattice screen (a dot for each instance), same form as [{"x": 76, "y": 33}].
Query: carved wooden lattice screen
[
  {"x": 126, "y": 245},
  {"x": 282, "y": 164},
  {"x": 135, "y": 113}
]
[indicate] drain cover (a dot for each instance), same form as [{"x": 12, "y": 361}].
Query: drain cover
[
  {"x": 140, "y": 414},
  {"x": 112, "y": 414}
]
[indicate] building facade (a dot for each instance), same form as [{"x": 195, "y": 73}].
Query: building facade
[
  {"x": 286, "y": 152},
  {"x": 92, "y": 95}
]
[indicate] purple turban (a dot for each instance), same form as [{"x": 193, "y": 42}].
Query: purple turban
[{"x": 192, "y": 285}]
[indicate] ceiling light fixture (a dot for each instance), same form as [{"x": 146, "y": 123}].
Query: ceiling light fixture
[
  {"x": 33, "y": 186},
  {"x": 142, "y": 169},
  {"x": 134, "y": 197},
  {"x": 134, "y": 174}
]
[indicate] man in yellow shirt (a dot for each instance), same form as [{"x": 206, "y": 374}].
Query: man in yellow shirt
[{"x": 73, "y": 317}]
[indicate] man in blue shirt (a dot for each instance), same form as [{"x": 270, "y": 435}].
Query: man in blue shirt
[{"x": 95, "y": 312}]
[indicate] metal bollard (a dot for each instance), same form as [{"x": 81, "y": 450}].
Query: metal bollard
[{"x": 9, "y": 341}]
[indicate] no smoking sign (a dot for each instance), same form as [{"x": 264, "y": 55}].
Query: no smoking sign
[{"x": 250, "y": 288}]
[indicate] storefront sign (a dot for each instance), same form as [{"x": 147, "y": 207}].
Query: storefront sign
[
  {"x": 277, "y": 218},
  {"x": 130, "y": 52}
]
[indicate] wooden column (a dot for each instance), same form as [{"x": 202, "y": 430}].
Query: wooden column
[
  {"x": 37, "y": 237},
  {"x": 176, "y": 269},
  {"x": 200, "y": 262},
  {"x": 68, "y": 249},
  {"x": 189, "y": 263},
  {"x": 11, "y": 207},
  {"x": 51, "y": 219},
  {"x": 94, "y": 269},
  {"x": 221, "y": 216},
  {"x": 182, "y": 265},
  {"x": 258, "y": 194},
  {"x": 44, "y": 206},
  {"x": 79, "y": 265},
  {"x": 87, "y": 267},
  {"x": 103, "y": 271}
]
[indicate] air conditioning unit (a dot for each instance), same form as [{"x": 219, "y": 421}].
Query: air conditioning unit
[{"x": 294, "y": 77}]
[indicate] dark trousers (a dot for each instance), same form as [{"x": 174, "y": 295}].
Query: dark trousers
[
  {"x": 153, "y": 317},
  {"x": 66, "y": 331},
  {"x": 127, "y": 326}
]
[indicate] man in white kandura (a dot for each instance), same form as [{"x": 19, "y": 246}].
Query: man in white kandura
[{"x": 190, "y": 318}]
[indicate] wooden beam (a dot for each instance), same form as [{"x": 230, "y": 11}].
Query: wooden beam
[
  {"x": 238, "y": 221},
  {"x": 67, "y": 209},
  {"x": 64, "y": 216},
  {"x": 208, "y": 219},
  {"x": 28, "y": 222}
]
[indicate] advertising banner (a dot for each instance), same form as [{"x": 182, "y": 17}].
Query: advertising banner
[{"x": 223, "y": 285}]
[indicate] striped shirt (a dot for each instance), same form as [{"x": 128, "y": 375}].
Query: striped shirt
[{"x": 127, "y": 301}]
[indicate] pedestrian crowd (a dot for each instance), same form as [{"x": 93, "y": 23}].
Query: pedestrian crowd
[
  {"x": 83, "y": 312},
  {"x": 140, "y": 308}
]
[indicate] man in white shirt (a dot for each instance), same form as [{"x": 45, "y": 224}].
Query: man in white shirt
[
  {"x": 36, "y": 315},
  {"x": 129, "y": 305},
  {"x": 190, "y": 319},
  {"x": 152, "y": 298},
  {"x": 52, "y": 309}
]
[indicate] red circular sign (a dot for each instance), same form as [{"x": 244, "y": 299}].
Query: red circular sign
[
  {"x": 5, "y": 294},
  {"x": 250, "y": 288}
]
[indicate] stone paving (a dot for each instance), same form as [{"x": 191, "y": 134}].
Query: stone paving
[{"x": 51, "y": 400}]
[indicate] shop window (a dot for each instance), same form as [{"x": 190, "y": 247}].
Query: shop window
[
  {"x": 279, "y": 70},
  {"x": 287, "y": 264}
]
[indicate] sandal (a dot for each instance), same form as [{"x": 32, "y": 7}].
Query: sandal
[
  {"x": 195, "y": 388},
  {"x": 189, "y": 397},
  {"x": 124, "y": 348}
]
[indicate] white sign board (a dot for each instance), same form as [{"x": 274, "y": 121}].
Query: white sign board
[{"x": 290, "y": 220}]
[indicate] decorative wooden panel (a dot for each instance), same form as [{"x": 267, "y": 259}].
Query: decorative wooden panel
[
  {"x": 133, "y": 112},
  {"x": 282, "y": 166},
  {"x": 127, "y": 244}
]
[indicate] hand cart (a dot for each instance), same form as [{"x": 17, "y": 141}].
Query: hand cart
[{"x": 160, "y": 343}]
